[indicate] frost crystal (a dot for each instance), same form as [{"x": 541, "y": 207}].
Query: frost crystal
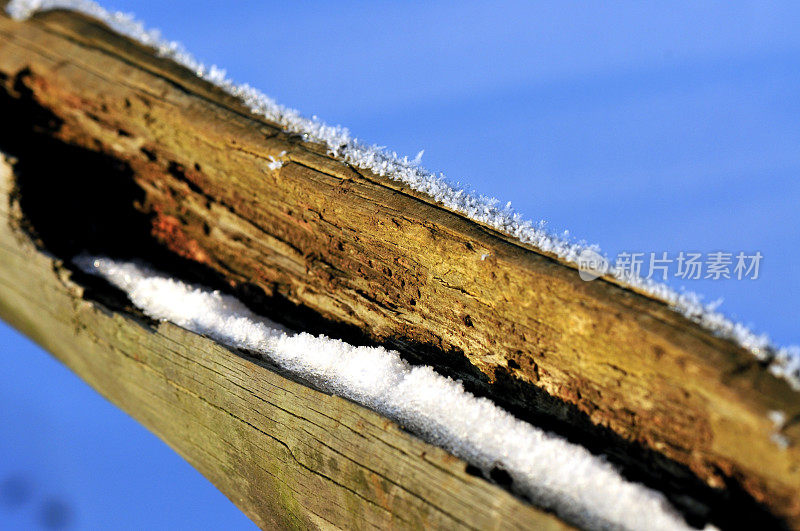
[
  {"x": 783, "y": 362},
  {"x": 274, "y": 163}
]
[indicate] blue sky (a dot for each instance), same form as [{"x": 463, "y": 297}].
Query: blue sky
[{"x": 635, "y": 126}]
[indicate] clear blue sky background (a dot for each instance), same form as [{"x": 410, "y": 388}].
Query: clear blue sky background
[{"x": 638, "y": 127}]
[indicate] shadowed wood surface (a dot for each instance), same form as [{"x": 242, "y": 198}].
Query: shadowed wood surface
[
  {"x": 287, "y": 455},
  {"x": 364, "y": 254}
]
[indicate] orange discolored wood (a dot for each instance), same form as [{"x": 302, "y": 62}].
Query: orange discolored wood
[{"x": 363, "y": 253}]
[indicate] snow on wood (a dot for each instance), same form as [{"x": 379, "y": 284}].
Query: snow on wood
[
  {"x": 555, "y": 474},
  {"x": 173, "y": 167},
  {"x": 783, "y": 361}
]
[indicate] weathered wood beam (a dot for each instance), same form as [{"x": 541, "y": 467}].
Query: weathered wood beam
[
  {"x": 289, "y": 456},
  {"x": 337, "y": 248}
]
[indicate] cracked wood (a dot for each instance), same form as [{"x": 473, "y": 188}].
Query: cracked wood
[
  {"x": 369, "y": 253},
  {"x": 287, "y": 455}
]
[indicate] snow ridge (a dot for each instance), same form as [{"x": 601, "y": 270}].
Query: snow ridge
[
  {"x": 556, "y": 474},
  {"x": 782, "y": 361}
]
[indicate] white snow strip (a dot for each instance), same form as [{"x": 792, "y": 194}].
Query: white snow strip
[
  {"x": 556, "y": 474},
  {"x": 783, "y": 361}
]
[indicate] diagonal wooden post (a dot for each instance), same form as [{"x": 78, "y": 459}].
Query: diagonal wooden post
[{"x": 113, "y": 149}]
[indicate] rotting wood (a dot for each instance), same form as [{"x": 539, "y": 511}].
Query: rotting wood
[
  {"x": 289, "y": 456},
  {"x": 366, "y": 254}
]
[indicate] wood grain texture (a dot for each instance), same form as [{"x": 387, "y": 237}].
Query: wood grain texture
[
  {"x": 366, "y": 253},
  {"x": 289, "y": 456}
]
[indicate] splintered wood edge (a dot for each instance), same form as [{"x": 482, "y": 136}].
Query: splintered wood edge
[
  {"x": 285, "y": 454},
  {"x": 626, "y": 360}
]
